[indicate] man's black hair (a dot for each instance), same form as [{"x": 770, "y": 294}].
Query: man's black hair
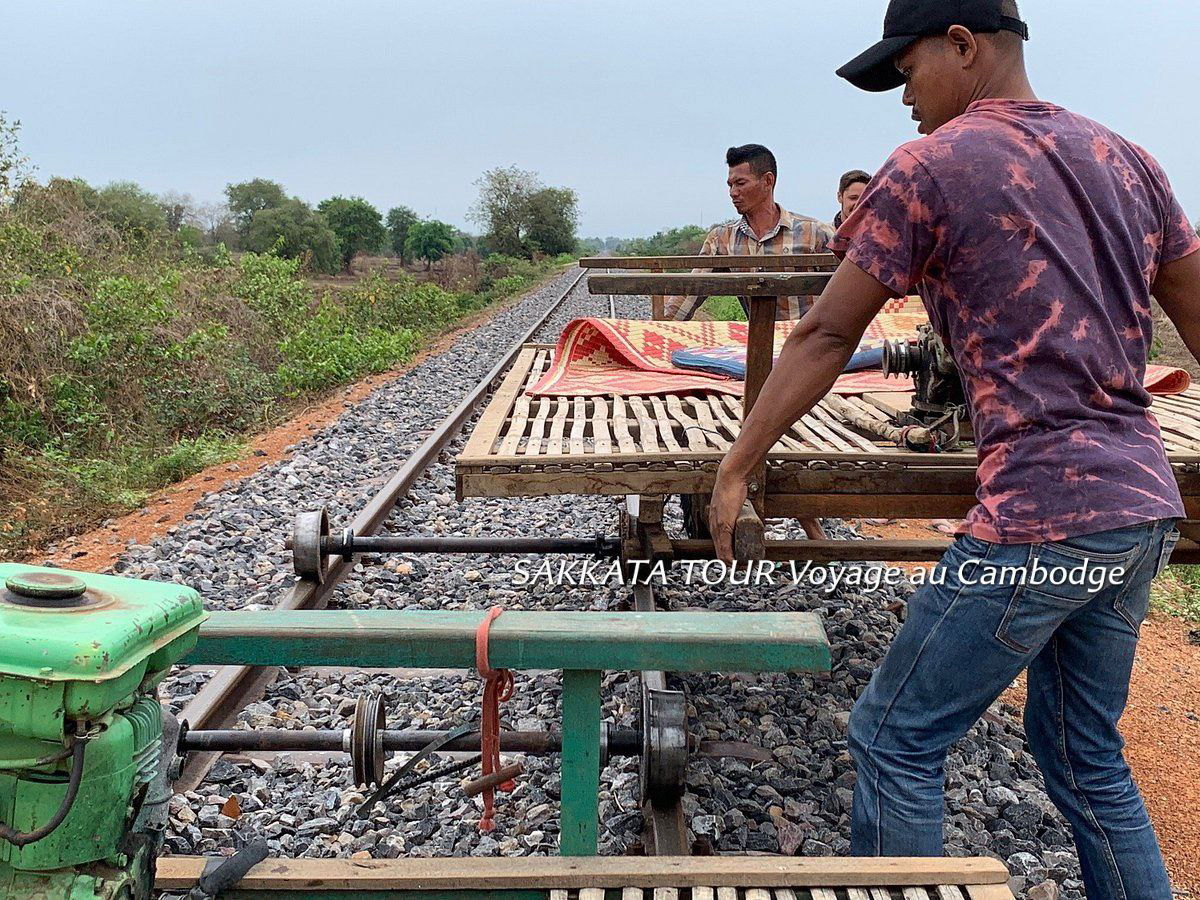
[
  {"x": 760, "y": 158},
  {"x": 854, "y": 176}
]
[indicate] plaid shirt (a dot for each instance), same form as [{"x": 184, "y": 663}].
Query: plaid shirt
[{"x": 793, "y": 234}]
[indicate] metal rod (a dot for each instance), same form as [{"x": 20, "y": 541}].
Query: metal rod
[
  {"x": 212, "y": 706},
  {"x": 389, "y": 543},
  {"x": 622, "y": 741},
  {"x": 270, "y": 739}
]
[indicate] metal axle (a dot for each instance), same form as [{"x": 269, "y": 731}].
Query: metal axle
[
  {"x": 620, "y": 741},
  {"x": 313, "y": 545}
]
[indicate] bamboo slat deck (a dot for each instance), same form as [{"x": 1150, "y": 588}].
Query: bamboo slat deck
[{"x": 538, "y": 446}]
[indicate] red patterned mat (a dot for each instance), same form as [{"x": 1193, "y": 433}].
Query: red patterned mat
[{"x": 623, "y": 357}]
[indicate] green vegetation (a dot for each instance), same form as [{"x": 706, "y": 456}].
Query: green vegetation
[
  {"x": 523, "y": 217},
  {"x": 1177, "y": 593},
  {"x": 294, "y": 230},
  {"x": 399, "y": 220},
  {"x": 429, "y": 241},
  {"x": 134, "y": 351},
  {"x": 724, "y": 309},
  {"x": 357, "y": 224},
  {"x": 685, "y": 241}
]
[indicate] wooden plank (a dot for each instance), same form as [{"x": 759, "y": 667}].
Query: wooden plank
[
  {"x": 591, "y": 894},
  {"x": 830, "y": 432},
  {"x": 537, "y": 427},
  {"x": 915, "y": 893},
  {"x": 760, "y": 358},
  {"x": 703, "y": 410},
  {"x": 908, "y": 506},
  {"x": 663, "y": 419},
  {"x": 621, "y": 426},
  {"x": 182, "y": 872},
  {"x": 515, "y": 427},
  {"x": 727, "y": 893},
  {"x": 559, "y": 895},
  {"x": 701, "y": 892},
  {"x": 729, "y": 420},
  {"x": 785, "y": 894},
  {"x": 760, "y": 348},
  {"x": 788, "y": 261},
  {"x": 989, "y": 892},
  {"x": 557, "y": 427},
  {"x": 601, "y": 438},
  {"x": 759, "y": 894},
  {"x": 823, "y": 894},
  {"x": 632, "y": 893},
  {"x": 487, "y": 429},
  {"x": 835, "y": 424},
  {"x": 692, "y": 432},
  {"x": 759, "y": 284},
  {"x": 578, "y": 425},
  {"x": 682, "y": 642},
  {"x": 647, "y": 430},
  {"x": 949, "y": 892},
  {"x": 812, "y": 439},
  {"x": 855, "y": 893},
  {"x": 880, "y": 894},
  {"x": 666, "y": 893}
]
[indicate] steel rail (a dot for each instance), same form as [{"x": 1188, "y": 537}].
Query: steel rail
[{"x": 232, "y": 688}]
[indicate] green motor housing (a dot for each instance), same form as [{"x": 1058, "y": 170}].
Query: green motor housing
[{"x": 82, "y": 654}]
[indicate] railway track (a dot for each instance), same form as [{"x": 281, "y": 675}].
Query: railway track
[{"x": 232, "y": 688}]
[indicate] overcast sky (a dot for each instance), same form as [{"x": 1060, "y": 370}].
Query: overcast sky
[{"x": 630, "y": 102}]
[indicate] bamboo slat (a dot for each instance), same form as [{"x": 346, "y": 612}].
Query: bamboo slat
[
  {"x": 663, "y": 418},
  {"x": 601, "y": 437},
  {"x": 578, "y": 425},
  {"x": 621, "y": 426}
]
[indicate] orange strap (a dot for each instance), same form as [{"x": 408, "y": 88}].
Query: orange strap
[{"x": 497, "y": 688}]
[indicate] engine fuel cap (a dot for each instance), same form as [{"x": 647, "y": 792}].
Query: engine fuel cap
[{"x": 46, "y": 588}]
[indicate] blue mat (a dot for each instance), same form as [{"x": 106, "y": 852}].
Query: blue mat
[{"x": 731, "y": 361}]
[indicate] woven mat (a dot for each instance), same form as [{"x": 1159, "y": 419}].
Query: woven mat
[{"x": 624, "y": 356}]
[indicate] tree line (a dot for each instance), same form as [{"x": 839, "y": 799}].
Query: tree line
[{"x": 520, "y": 217}]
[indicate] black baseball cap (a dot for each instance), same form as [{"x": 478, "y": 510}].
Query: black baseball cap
[{"x": 907, "y": 21}]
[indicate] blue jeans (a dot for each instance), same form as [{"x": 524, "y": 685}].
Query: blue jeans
[{"x": 964, "y": 642}]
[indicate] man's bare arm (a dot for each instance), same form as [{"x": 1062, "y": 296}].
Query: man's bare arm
[
  {"x": 1177, "y": 290},
  {"x": 813, "y": 357}
]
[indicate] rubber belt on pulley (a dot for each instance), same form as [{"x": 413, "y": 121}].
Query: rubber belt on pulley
[{"x": 433, "y": 747}]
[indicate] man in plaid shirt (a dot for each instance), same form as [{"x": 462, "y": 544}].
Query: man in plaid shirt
[{"x": 764, "y": 229}]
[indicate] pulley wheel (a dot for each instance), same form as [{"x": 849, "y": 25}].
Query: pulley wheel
[
  {"x": 308, "y": 558},
  {"x": 664, "y": 746},
  {"x": 366, "y": 740}
]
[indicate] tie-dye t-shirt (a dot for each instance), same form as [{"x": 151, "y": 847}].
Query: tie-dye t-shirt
[{"x": 1034, "y": 235}]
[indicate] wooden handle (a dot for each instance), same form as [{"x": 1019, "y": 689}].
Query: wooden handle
[
  {"x": 749, "y": 535},
  {"x": 479, "y": 785}
]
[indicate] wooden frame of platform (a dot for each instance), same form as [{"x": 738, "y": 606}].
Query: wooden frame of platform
[
  {"x": 824, "y": 466},
  {"x": 627, "y": 878}
]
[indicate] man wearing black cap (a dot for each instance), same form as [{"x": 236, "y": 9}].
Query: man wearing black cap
[{"x": 1035, "y": 238}]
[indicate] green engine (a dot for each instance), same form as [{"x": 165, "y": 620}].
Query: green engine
[{"x": 83, "y": 780}]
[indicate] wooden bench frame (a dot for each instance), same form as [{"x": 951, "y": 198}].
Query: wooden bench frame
[
  {"x": 631, "y": 878},
  {"x": 583, "y": 645}
]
